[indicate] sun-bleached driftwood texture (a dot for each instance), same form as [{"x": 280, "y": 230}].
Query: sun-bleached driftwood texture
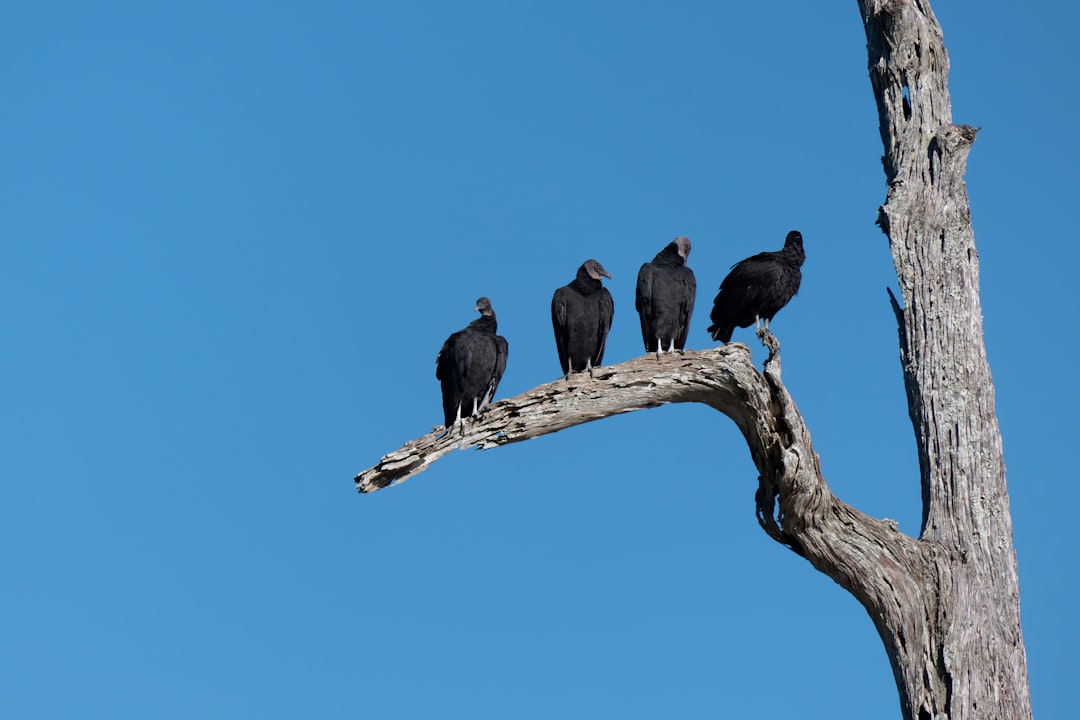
[
  {"x": 794, "y": 504},
  {"x": 869, "y": 557},
  {"x": 946, "y": 604},
  {"x": 960, "y": 653},
  {"x": 723, "y": 378}
]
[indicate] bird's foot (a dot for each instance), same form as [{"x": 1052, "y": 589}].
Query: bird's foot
[{"x": 769, "y": 341}]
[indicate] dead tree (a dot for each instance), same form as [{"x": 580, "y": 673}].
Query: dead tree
[{"x": 947, "y": 603}]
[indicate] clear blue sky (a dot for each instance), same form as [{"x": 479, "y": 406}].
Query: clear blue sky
[{"x": 235, "y": 235}]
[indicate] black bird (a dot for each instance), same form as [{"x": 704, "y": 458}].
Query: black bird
[
  {"x": 470, "y": 364},
  {"x": 581, "y": 315},
  {"x": 665, "y": 298},
  {"x": 757, "y": 288}
]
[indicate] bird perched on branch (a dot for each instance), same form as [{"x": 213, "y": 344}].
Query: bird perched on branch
[
  {"x": 666, "y": 289},
  {"x": 756, "y": 289},
  {"x": 581, "y": 314},
  {"x": 469, "y": 365}
]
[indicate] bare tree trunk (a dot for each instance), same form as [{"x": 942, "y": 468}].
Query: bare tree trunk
[
  {"x": 973, "y": 662},
  {"x": 947, "y": 604}
]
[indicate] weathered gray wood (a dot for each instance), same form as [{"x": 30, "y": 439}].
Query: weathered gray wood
[
  {"x": 946, "y": 605},
  {"x": 885, "y": 569},
  {"x": 723, "y": 378},
  {"x": 972, "y": 663}
]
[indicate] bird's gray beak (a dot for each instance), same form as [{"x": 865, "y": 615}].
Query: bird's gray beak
[{"x": 597, "y": 271}]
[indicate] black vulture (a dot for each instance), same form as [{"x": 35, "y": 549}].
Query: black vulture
[
  {"x": 470, "y": 364},
  {"x": 757, "y": 288},
  {"x": 665, "y": 298},
  {"x": 581, "y": 315}
]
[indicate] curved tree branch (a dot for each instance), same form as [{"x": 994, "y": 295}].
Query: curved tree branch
[
  {"x": 795, "y": 506},
  {"x": 868, "y": 557},
  {"x": 723, "y": 378}
]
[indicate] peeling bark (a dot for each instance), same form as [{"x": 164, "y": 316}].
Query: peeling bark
[
  {"x": 971, "y": 662},
  {"x": 946, "y": 605},
  {"x": 723, "y": 378}
]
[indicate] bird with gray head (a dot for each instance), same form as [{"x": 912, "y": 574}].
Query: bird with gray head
[
  {"x": 470, "y": 365},
  {"x": 666, "y": 289},
  {"x": 581, "y": 314},
  {"x": 757, "y": 288}
]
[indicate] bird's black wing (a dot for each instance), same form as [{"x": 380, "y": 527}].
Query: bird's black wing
[
  {"x": 741, "y": 294},
  {"x": 442, "y": 360},
  {"x": 686, "y": 308},
  {"x": 607, "y": 314},
  {"x": 643, "y": 299},
  {"x": 559, "y": 325},
  {"x": 502, "y": 351},
  {"x": 761, "y": 269},
  {"x": 449, "y": 374},
  {"x": 753, "y": 280}
]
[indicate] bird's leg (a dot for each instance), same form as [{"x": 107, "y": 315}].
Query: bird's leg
[
  {"x": 461, "y": 418},
  {"x": 659, "y": 347},
  {"x": 588, "y": 366},
  {"x": 671, "y": 347},
  {"x": 458, "y": 422},
  {"x": 769, "y": 340}
]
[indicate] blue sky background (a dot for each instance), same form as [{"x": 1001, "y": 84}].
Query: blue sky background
[{"x": 235, "y": 235}]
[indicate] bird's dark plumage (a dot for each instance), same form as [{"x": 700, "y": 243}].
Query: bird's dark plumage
[
  {"x": 470, "y": 364},
  {"x": 666, "y": 289},
  {"x": 581, "y": 314},
  {"x": 757, "y": 288}
]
